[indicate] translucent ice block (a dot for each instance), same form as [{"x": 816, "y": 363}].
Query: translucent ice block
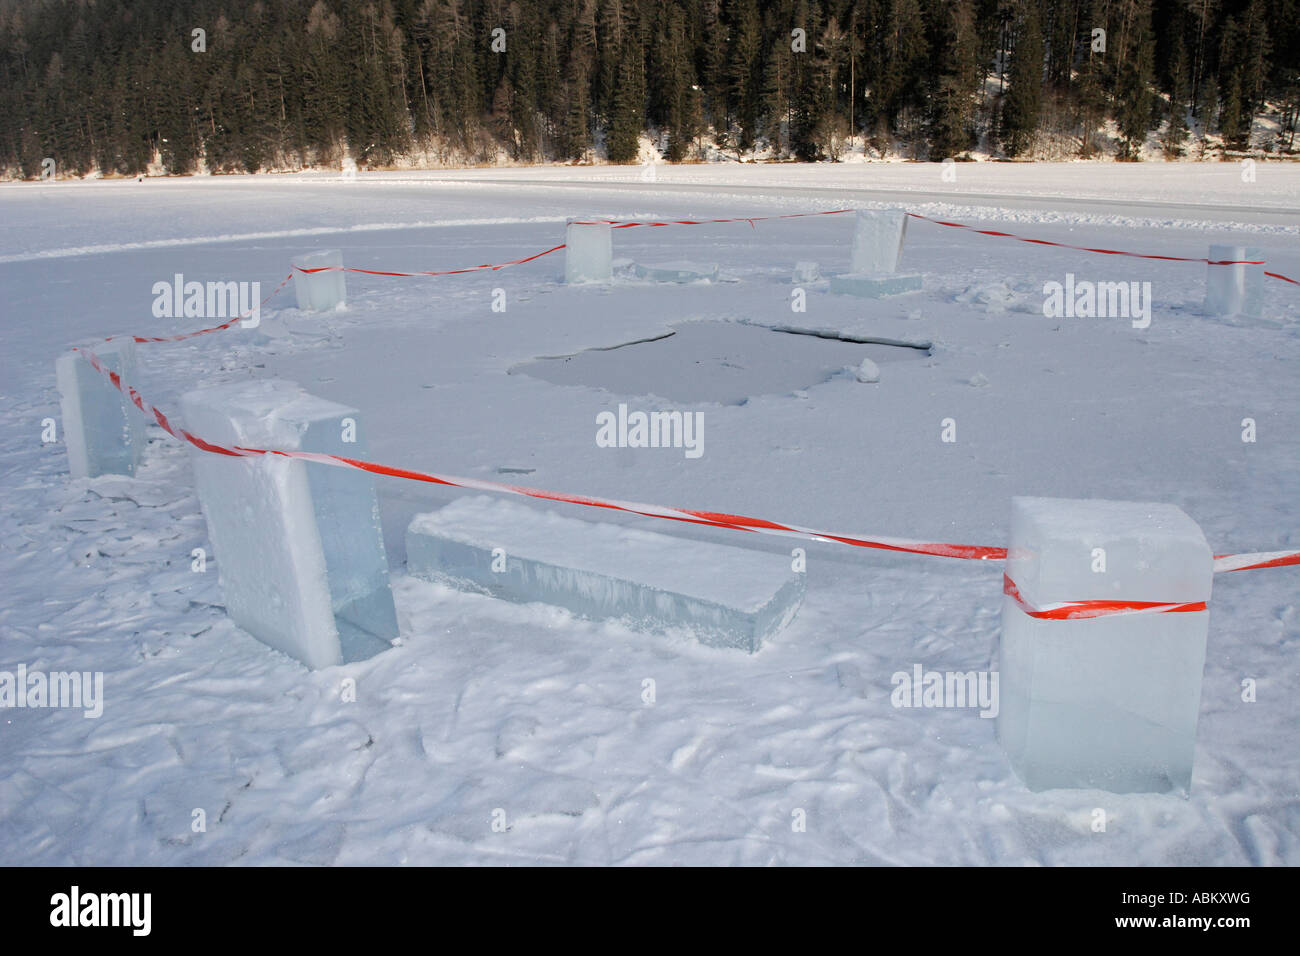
[
  {"x": 102, "y": 430},
  {"x": 875, "y": 286},
  {"x": 730, "y": 597},
  {"x": 298, "y": 545},
  {"x": 588, "y": 252},
  {"x": 676, "y": 272},
  {"x": 878, "y": 241},
  {"x": 806, "y": 272},
  {"x": 320, "y": 291},
  {"x": 1106, "y": 702},
  {"x": 1237, "y": 289}
]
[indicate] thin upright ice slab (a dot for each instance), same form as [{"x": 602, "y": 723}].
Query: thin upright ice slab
[
  {"x": 298, "y": 545},
  {"x": 878, "y": 236},
  {"x": 320, "y": 291},
  {"x": 730, "y": 597},
  {"x": 875, "y": 286},
  {"x": 588, "y": 251},
  {"x": 676, "y": 272},
  {"x": 1106, "y": 702},
  {"x": 1236, "y": 289},
  {"x": 102, "y": 430}
]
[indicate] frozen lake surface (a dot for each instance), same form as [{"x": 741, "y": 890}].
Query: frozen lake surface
[{"x": 593, "y": 742}]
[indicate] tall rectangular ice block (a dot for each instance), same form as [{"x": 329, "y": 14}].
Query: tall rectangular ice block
[
  {"x": 877, "y": 248},
  {"x": 588, "y": 251},
  {"x": 1106, "y": 702},
  {"x": 1235, "y": 289},
  {"x": 102, "y": 430},
  {"x": 878, "y": 236},
  {"x": 730, "y": 597},
  {"x": 320, "y": 291},
  {"x": 299, "y": 548}
]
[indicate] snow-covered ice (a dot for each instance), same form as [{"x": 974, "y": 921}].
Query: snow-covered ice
[
  {"x": 485, "y": 704},
  {"x": 299, "y": 548},
  {"x": 320, "y": 291},
  {"x": 102, "y": 430},
  {"x": 1107, "y": 702}
]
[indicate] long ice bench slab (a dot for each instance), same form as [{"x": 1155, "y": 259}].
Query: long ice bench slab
[
  {"x": 875, "y": 286},
  {"x": 731, "y": 597}
]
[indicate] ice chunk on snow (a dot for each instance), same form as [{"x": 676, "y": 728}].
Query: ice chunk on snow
[
  {"x": 298, "y": 545},
  {"x": 676, "y": 272},
  {"x": 878, "y": 241},
  {"x": 806, "y": 272},
  {"x": 588, "y": 251},
  {"x": 1107, "y": 702},
  {"x": 731, "y": 597},
  {"x": 102, "y": 430},
  {"x": 868, "y": 371},
  {"x": 1236, "y": 289},
  {"x": 875, "y": 286},
  {"x": 320, "y": 291}
]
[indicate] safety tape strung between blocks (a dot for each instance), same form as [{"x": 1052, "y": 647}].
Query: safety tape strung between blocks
[
  {"x": 1104, "y": 252},
  {"x": 216, "y": 328},
  {"x": 616, "y": 224},
  {"x": 1076, "y": 610},
  {"x": 1068, "y": 610}
]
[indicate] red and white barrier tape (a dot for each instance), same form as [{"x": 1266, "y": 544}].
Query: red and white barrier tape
[
  {"x": 1076, "y": 610},
  {"x": 618, "y": 224},
  {"x": 1105, "y": 252},
  {"x": 1069, "y": 610},
  {"x": 215, "y": 328},
  {"x": 632, "y": 224},
  {"x": 449, "y": 272}
]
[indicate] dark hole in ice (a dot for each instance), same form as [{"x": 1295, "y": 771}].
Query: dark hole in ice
[{"x": 723, "y": 362}]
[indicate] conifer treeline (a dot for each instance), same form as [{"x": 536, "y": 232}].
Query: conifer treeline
[{"x": 114, "y": 85}]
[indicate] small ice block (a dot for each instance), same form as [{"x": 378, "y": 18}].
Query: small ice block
[
  {"x": 320, "y": 291},
  {"x": 1236, "y": 289},
  {"x": 806, "y": 272},
  {"x": 1106, "y": 702},
  {"x": 878, "y": 241},
  {"x": 102, "y": 430},
  {"x": 588, "y": 251},
  {"x": 875, "y": 286},
  {"x": 676, "y": 272},
  {"x": 729, "y": 596},
  {"x": 298, "y": 545}
]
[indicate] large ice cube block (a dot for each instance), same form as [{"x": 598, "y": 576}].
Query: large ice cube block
[
  {"x": 588, "y": 251},
  {"x": 878, "y": 236},
  {"x": 323, "y": 290},
  {"x": 298, "y": 545},
  {"x": 1107, "y": 702},
  {"x": 1236, "y": 289},
  {"x": 102, "y": 430},
  {"x": 730, "y": 597},
  {"x": 875, "y": 286}
]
